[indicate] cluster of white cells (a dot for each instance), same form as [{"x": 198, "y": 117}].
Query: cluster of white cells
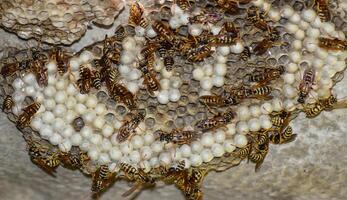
[{"x": 62, "y": 102}]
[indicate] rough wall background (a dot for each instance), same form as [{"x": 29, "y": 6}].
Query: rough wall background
[{"x": 313, "y": 167}]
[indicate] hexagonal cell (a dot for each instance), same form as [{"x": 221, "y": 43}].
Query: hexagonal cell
[
  {"x": 121, "y": 110},
  {"x": 150, "y": 122},
  {"x": 181, "y": 111},
  {"x": 109, "y": 117},
  {"x": 179, "y": 122}
]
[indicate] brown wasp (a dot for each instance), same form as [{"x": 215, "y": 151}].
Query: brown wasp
[{"x": 128, "y": 127}]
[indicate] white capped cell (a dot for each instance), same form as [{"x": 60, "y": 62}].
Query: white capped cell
[
  {"x": 60, "y": 97},
  {"x": 289, "y": 91},
  {"x": 148, "y": 138},
  {"x": 243, "y": 113},
  {"x": 48, "y": 117},
  {"x": 95, "y": 139},
  {"x": 292, "y": 67},
  {"x": 217, "y": 150},
  {"x": 137, "y": 141},
  {"x": 237, "y": 48},
  {"x": 146, "y": 152},
  {"x": 61, "y": 84},
  {"x": 55, "y": 139},
  {"x": 219, "y": 136},
  {"x": 206, "y": 83},
  {"x": 254, "y": 124},
  {"x": 86, "y": 132},
  {"x": 258, "y": 3},
  {"x": 70, "y": 102},
  {"x": 135, "y": 157},
  {"x": 36, "y": 123},
  {"x": 198, "y": 74},
  {"x": 100, "y": 109},
  {"x": 129, "y": 43},
  {"x": 106, "y": 145},
  {"x": 107, "y": 130},
  {"x": 207, "y": 140},
  {"x": 224, "y": 50},
  {"x": 124, "y": 69},
  {"x": 242, "y": 127},
  {"x": 174, "y": 95},
  {"x": 76, "y": 139},
  {"x": 255, "y": 110},
  {"x": 308, "y": 15},
  {"x": 74, "y": 64},
  {"x": 140, "y": 31},
  {"x": 157, "y": 146},
  {"x": 295, "y": 56},
  {"x": 29, "y": 79},
  {"x": 218, "y": 81},
  {"x": 49, "y": 91},
  {"x": 30, "y": 91},
  {"x": 99, "y": 122},
  {"x": 59, "y": 124},
  {"x": 70, "y": 116},
  {"x": 49, "y": 104},
  {"x": 304, "y": 25},
  {"x": 266, "y": 108},
  {"x": 221, "y": 59},
  {"x": 312, "y": 32},
  {"x": 85, "y": 145},
  {"x": 316, "y": 23},
  {"x": 229, "y": 146},
  {"x": 92, "y": 101},
  {"x": 115, "y": 153},
  {"x": 71, "y": 90},
  {"x": 195, "y": 29},
  {"x": 196, "y": 146},
  {"x": 165, "y": 158},
  {"x": 151, "y": 33},
  {"x": 166, "y": 74},
  {"x": 195, "y": 160},
  {"x": 295, "y": 18},
  {"x": 277, "y": 104},
  {"x": 163, "y": 97},
  {"x": 174, "y": 22},
  {"x": 93, "y": 154},
  {"x": 154, "y": 161},
  {"x": 18, "y": 83},
  {"x": 65, "y": 146},
  {"x": 274, "y": 15},
  {"x": 126, "y": 147},
  {"x": 46, "y": 131},
  {"x": 208, "y": 69},
  {"x": 165, "y": 84},
  {"x": 220, "y": 69},
  {"x": 297, "y": 44},
  {"x": 291, "y": 28},
  {"x": 186, "y": 150},
  {"x": 134, "y": 75},
  {"x": 240, "y": 140},
  {"x": 85, "y": 57},
  {"x": 80, "y": 108},
  {"x": 184, "y": 19},
  {"x": 104, "y": 158},
  {"x": 59, "y": 110},
  {"x": 206, "y": 155},
  {"x": 231, "y": 129}
]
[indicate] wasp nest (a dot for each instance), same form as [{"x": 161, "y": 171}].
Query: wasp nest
[
  {"x": 56, "y": 22},
  {"x": 177, "y": 92}
]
